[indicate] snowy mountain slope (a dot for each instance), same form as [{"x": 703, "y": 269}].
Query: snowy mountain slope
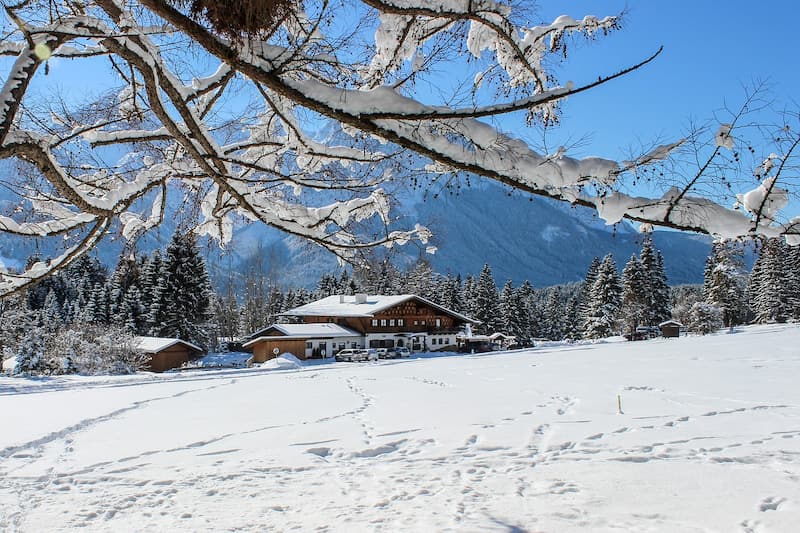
[
  {"x": 541, "y": 240},
  {"x": 708, "y": 440},
  {"x": 544, "y": 241}
]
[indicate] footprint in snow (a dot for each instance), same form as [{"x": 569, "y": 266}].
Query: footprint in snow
[{"x": 770, "y": 504}]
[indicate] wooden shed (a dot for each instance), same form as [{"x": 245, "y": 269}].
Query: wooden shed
[
  {"x": 167, "y": 353},
  {"x": 670, "y": 328}
]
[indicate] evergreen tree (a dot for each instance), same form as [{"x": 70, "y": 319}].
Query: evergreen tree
[
  {"x": 793, "y": 280},
  {"x": 724, "y": 284},
  {"x": 487, "y": 303},
  {"x": 125, "y": 275},
  {"x": 636, "y": 295},
  {"x": 16, "y": 320},
  {"x": 421, "y": 280},
  {"x": 378, "y": 277},
  {"x": 182, "y": 293},
  {"x": 133, "y": 315},
  {"x": 152, "y": 270},
  {"x": 529, "y": 315},
  {"x": 469, "y": 296},
  {"x": 572, "y": 324},
  {"x": 52, "y": 313},
  {"x": 662, "y": 306},
  {"x": 656, "y": 287},
  {"x": 30, "y": 352},
  {"x": 450, "y": 294},
  {"x": 586, "y": 290},
  {"x": 511, "y": 309},
  {"x": 156, "y": 295},
  {"x": 327, "y": 286},
  {"x": 770, "y": 287},
  {"x": 96, "y": 310},
  {"x": 604, "y": 301},
  {"x": 554, "y": 320}
]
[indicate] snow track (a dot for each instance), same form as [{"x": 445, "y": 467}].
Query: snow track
[{"x": 709, "y": 441}]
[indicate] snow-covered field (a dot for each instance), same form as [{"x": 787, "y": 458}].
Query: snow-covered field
[{"x": 709, "y": 440}]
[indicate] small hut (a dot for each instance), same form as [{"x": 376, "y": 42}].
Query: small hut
[
  {"x": 166, "y": 353},
  {"x": 670, "y": 328}
]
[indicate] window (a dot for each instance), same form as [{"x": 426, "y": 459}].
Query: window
[
  {"x": 422, "y": 322},
  {"x": 438, "y": 322},
  {"x": 354, "y": 345},
  {"x": 309, "y": 345},
  {"x": 447, "y": 341},
  {"x": 401, "y": 322},
  {"x": 374, "y": 321},
  {"x": 416, "y": 322},
  {"x": 383, "y": 322},
  {"x": 391, "y": 321}
]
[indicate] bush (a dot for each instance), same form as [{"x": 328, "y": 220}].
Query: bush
[
  {"x": 79, "y": 349},
  {"x": 704, "y": 318}
]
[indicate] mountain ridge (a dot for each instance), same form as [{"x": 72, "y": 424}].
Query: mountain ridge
[{"x": 519, "y": 236}]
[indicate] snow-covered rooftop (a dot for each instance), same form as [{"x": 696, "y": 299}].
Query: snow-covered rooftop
[
  {"x": 304, "y": 331},
  {"x": 362, "y": 305},
  {"x": 156, "y": 344}
]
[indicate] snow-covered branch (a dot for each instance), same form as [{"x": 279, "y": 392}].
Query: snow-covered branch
[{"x": 243, "y": 127}]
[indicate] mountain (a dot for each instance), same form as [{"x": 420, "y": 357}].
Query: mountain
[
  {"x": 521, "y": 237},
  {"x": 544, "y": 241}
]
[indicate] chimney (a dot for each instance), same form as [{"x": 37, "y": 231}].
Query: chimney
[{"x": 361, "y": 298}]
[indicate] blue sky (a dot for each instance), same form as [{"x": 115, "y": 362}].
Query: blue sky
[{"x": 712, "y": 50}]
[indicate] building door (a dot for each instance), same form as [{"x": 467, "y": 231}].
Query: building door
[{"x": 323, "y": 350}]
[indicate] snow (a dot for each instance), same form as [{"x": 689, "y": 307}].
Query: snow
[
  {"x": 723, "y": 137},
  {"x": 765, "y": 200},
  {"x": 156, "y": 344},
  {"x": 285, "y": 361},
  {"x": 348, "y": 305},
  {"x": 708, "y": 440},
  {"x": 303, "y": 331}
]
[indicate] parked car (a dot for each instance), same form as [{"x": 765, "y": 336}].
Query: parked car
[
  {"x": 391, "y": 353},
  {"x": 403, "y": 352},
  {"x": 356, "y": 354},
  {"x": 349, "y": 354},
  {"x": 383, "y": 353}
]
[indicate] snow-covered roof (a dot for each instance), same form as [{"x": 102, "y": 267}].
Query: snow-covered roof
[
  {"x": 673, "y": 322},
  {"x": 363, "y": 305},
  {"x": 303, "y": 331},
  {"x": 157, "y": 344}
]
